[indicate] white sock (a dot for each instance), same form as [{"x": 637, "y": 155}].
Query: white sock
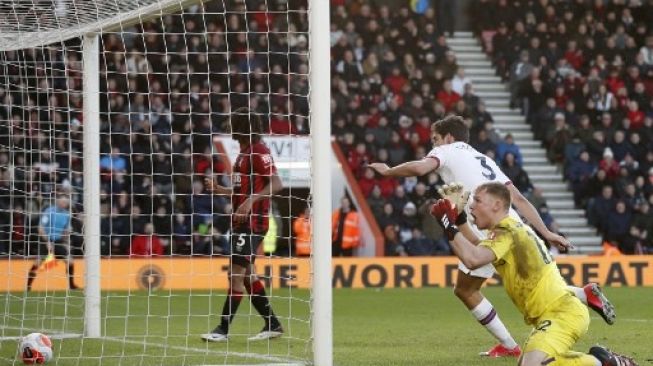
[
  {"x": 579, "y": 292},
  {"x": 487, "y": 316}
]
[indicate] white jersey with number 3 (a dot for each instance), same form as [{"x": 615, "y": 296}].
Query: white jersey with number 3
[{"x": 461, "y": 163}]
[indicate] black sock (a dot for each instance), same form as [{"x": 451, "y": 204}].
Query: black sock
[
  {"x": 262, "y": 303},
  {"x": 230, "y": 308},
  {"x": 71, "y": 276},
  {"x": 31, "y": 276}
]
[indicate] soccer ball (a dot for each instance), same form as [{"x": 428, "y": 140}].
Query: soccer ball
[{"x": 35, "y": 348}]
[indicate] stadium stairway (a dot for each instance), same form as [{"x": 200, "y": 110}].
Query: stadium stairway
[{"x": 543, "y": 174}]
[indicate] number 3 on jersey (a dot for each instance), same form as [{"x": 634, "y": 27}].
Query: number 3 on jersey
[{"x": 487, "y": 172}]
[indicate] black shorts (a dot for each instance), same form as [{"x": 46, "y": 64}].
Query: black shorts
[
  {"x": 244, "y": 246},
  {"x": 61, "y": 251}
]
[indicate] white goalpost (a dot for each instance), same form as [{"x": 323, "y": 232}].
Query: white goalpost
[{"x": 112, "y": 115}]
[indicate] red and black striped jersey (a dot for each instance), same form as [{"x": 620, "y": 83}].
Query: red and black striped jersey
[{"x": 252, "y": 171}]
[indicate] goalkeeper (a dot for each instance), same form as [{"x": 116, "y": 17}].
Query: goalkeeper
[
  {"x": 530, "y": 276},
  {"x": 54, "y": 230},
  {"x": 254, "y": 181}
]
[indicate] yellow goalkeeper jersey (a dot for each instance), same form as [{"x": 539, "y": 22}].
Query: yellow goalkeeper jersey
[{"x": 529, "y": 274}]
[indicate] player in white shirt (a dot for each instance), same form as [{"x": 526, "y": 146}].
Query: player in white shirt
[{"x": 456, "y": 161}]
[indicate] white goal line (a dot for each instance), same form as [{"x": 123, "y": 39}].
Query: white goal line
[
  {"x": 51, "y": 333},
  {"x": 277, "y": 361}
]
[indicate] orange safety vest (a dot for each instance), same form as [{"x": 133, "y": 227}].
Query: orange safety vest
[
  {"x": 610, "y": 250},
  {"x": 350, "y": 230},
  {"x": 302, "y": 228}
]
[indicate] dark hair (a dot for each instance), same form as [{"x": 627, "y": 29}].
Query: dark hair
[
  {"x": 454, "y": 125},
  {"x": 498, "y": 190},
  {"x": 245, "y": 125}
]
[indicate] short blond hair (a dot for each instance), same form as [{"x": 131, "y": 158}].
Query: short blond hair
[{"x": 497, "y": 190}]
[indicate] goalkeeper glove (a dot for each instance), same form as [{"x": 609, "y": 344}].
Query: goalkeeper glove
[
  {"x": 447, "y": 215},
  {"x": 456, "y": 194}
]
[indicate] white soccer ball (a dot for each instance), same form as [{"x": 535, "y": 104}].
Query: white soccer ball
[{"x": 35, "y": 348}]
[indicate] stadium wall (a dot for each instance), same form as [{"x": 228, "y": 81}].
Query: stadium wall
[{"x": 211, "y": 273}]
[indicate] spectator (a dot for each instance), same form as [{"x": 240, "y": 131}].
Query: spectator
[
  {"x": 419, "y": 245},
  {"x": 508, "y": 146},
  {"x": 473, "y": 103},
  {"x": 579, "y": 173},
  {"x": 598, "y": 208},
  {"x": 367, "y": 182},
  {"x": 182, "y": 233},
  {"x": 428, "y": 223},
  {"x": 407, "y": 222},
  {"x": 647, "y": 51},
  {"x": 519, "y": 72},
  {"x": 447, "y": 18},
  {"x": 376, "y": 201},
  {"x": 346, "y": 233},
  {"x": 481, "y": 116},
  {"x": 302, "y": 233},
  {"x": 388, "y": 217},
  {"x": 460, "y": 81},
  {"x": 202, "y": 243},
  {"x": 631, "y": 243},
  {"x": 619, "y": 219},
  {"x": 393, "y": 246},
  {"x": 447, "y": 96},
  {"x": 515, "y": 173},
  {"x": 147, "y": 243},
  {"x": 643, "y": 219},
  {"x": 609, "y": 165},
  {"x": 482, "y": 143},
  {"x": 597, "y": 146},
  {"x": 399, "y": 199},
  {"x": 113, "y": 162},
  {"x": 620, "y": 147},
  {"x": 557, "y": 138}
]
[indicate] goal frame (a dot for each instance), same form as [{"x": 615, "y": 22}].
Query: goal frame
[{"x": 319, "y": 97}]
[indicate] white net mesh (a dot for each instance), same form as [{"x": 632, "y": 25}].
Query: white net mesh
[{"x": 170, "y": 77}]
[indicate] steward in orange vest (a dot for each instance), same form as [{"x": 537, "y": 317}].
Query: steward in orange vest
[
  {"x": 346, "y": 234},
  {"x": 302, "y": 229}
]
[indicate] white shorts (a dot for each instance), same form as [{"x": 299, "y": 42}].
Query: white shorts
[{"x": 487, "y": 271}]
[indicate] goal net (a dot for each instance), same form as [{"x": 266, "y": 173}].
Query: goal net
[{"x": 114, "y": 117}]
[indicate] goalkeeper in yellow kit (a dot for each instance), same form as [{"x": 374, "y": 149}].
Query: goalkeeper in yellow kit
[{"x": 530, "y": 276}]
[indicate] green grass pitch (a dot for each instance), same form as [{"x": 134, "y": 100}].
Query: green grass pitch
[{"x": 372, "y": 327}]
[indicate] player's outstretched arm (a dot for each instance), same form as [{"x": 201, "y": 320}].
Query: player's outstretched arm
[
  {"x": 413, "y": 168},
  {"x": 526, "y": 209}
]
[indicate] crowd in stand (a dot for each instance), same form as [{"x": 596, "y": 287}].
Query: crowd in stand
[
  {"x": 582, "y": 73},
  {"x": 167, "y": 87},
  {"x": 393, "y": 75}
]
